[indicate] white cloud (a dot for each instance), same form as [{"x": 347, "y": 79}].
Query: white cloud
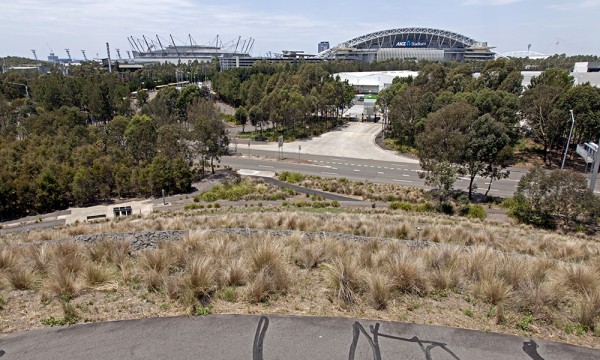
[{"x": 88, "y": 24}]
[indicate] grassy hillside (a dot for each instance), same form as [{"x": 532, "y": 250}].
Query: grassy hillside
[{"x": 380, "y": 264}]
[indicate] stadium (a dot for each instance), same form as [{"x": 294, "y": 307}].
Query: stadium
[{"x": 410, "y": 43}]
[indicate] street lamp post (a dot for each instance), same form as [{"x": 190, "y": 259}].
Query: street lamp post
[{"x": 568, "y": 140}]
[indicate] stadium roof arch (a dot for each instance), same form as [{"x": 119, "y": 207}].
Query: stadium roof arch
[
  {"x": 525, "y": 54},
  {"x": 421, "y": 37}
]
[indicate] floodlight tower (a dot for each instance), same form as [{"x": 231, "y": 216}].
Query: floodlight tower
[
  {"x": 108, "y": 53},
  {"x": 84, "y": 57},
  {"x": 69, "y": 55},
  {"x": 34, "y": 55},
  {"x": 118, "y": 53},
  {"x": 128, "y": 54}
]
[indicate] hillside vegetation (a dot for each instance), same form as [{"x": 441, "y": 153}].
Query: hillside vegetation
[{"x": 381, "y": 264}]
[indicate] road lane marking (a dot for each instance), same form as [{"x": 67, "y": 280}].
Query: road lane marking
[
  {"x": 380, "y": 173},
  {"x": 404, "y": 181},
  {"x": 266, "y": 166},
  {"x": 356, "y": 170},
  {"x": 329, "y": 173},
  {"x": 405, "y": 175}
]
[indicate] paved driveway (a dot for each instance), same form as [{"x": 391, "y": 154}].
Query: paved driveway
[{"x": 353, "y": 140}]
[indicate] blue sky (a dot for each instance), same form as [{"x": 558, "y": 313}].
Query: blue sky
[{"x": 509, "y": 25}]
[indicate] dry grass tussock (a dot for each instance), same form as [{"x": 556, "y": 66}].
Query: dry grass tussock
[
  {"x": 512, "y": 270},
  {"x": 376, "y": 223}
]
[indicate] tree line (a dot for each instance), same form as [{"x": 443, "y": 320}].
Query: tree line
[
  {"x": 77, "y": 140},
  {"x": 292, "y": 97},
  {"x": 465, "y": 125}
]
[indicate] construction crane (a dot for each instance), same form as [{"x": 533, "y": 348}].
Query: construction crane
[
  {"x": 118, "y": 53},
  {"x": 69, "y": 55},
  {"x": 84, "y": 57},
  {"x": 34, "y": 55}
]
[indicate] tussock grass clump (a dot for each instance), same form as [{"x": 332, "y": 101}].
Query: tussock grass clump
[
  {"x": 493, "y": 290},
  {"x": 378, "y": 289},
  {"x": 68, "y": 256},
  {"x": 157, "y": 260},
  {"x": 7, "y": 259},
  {"x": 21, "y": 278},
  {"x": 535, "y": 296},
  {"x": 407, "y": 274},
  {"x": 588, "y": 310},
  {"x": 63, "y": 283},
  {"x": 234, "y": 273},
  {"x": 153, "y": 279},
  {"x": 311, "y": 254},
  {"x": 480, "y": 263},
  {"x": 200, "y": 277},
  {"x": 268, "y": 269},
  {"x": 345, "y": 276},
  {"x": 95, "y": 274},
  {"x": 581, "y": 279}
]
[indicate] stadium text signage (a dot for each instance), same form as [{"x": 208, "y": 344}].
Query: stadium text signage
[{"x": 410, "y": 43}]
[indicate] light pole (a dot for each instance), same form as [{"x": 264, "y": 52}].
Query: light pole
[{"x": 568, "y": 140}]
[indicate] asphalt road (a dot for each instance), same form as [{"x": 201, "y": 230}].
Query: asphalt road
[
  {"x": 275, "y": 337},
  {"x": 358, "y": 169}
]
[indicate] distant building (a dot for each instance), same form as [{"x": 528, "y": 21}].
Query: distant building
[
  {"x": 323, "y": 45},
  {"x": 587, "y": 72},
  {"x": 53, "y": 58},
  {"x": 412, "y": 44}
]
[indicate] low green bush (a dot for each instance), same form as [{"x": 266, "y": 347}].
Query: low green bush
[
  {"x": 291, "y": 177},
  {"x": 473, "y": 211}
]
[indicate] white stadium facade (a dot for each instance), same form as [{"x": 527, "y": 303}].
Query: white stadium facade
[{"x": 413, "y": 43}]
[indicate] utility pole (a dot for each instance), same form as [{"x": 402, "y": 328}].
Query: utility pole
[{"x": 568, "y": 140}]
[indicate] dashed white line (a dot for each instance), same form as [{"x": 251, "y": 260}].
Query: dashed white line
[
  {"x": 329, "y": 173},
  {"x": 356, "y": 170},
  {"x": 266, "y": 166},
  {"x": 404, "y": 181},
  {"x": 405, "y": 175},
  {"x": 380, "y": 173}
]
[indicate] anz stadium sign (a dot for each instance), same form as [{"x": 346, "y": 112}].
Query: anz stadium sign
[{"x": 410, "y": 43}]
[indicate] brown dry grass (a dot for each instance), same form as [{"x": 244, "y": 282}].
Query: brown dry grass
[{"x": 507, "y": 272}]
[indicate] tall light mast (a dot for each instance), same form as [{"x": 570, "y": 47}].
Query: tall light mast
[
  {"x": 84, "y": 57},
  {"x": 109, "y": 62},
  {"x": 34, "y": 55},
  {"x": 69, "y": 55}
]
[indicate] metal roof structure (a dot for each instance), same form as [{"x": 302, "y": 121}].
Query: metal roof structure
[{"x": 372, "y": 40}]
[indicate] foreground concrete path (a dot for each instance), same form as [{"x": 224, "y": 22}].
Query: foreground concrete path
[{"x": 275, "y": 337}]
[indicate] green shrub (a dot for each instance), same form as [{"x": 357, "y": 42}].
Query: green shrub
[
  {"x": 291, "y": 177},
  {"x": 473, "y": 211},
  {"x": 194, "y": 206},
  {"x": 447, "y": 208}
]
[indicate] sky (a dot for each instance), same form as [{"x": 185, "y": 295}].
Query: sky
[{"x": 550, "y": 26}]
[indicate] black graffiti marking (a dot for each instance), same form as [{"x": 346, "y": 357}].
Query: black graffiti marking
[
  {"x": 356, "y": 330},
  {"x": 530, "y": 348},
  {"x": 259, "y": 337},
  {"x": 374, "y": 342}
]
